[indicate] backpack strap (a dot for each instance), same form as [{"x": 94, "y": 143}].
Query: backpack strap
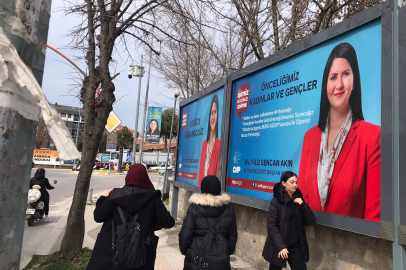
[{"x": 120, "y": 211}]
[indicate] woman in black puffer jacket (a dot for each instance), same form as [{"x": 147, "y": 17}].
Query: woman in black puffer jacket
[
  {"x": 287, "y": 217},
  {"x": 209, "y": 206}
]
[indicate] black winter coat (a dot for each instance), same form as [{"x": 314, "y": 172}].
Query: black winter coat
[
  {"x": 131, "y": 199},
  {"x": 195, "y": 224},
  {"x": 43, "y": 182},
  {"x": 278, "y": 225}
]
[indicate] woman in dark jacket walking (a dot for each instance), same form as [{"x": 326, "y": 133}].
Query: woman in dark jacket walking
[
  {"x": 207, "y": 207},
  {"x": 287, "y": 217},
  {"x": 138, "y": 195}
]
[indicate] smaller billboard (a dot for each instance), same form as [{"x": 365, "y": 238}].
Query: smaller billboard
[
  {"x": 46, "y": 157},
  {"x": 154, "y": 125},
  {"x": 111, "y": 142}
]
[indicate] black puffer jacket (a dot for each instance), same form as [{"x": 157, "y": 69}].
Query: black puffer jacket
[
  {"x": 195, "y": 225},
  {"x": 153, "y": 213},
  {"x": 278, "y": 225}
]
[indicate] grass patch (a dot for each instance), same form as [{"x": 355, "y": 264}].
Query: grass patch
[
  {"x": 166, "y": 201},
  {"x": 54, "y": 262},
  {"x": 153, "y": 171}
]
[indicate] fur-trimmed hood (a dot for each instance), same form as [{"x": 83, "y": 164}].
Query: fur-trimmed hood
[
  {"x": 280, "y": 194},
  {"x": 206, "y": 199}
]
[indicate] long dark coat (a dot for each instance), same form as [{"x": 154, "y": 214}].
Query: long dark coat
[
  {"x": 278, "y": 226},
  {"x": 131, "y": 199},
  {"x": 195, "y": 225}
]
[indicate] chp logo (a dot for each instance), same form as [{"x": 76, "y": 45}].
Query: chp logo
[
  {"x": 184, "y": 120},
  {"x": 236, "y": 169},
  {"x": 254, "y": 184},
  {"x": 243, "y": 96},
  {"x": 237, "y": 157}
]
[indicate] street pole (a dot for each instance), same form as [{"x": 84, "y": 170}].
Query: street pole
[
  {"x": 145, "y": 109},
  {"x": 136, "y": 117},
  {"x": 77, "y": 129},
  {"x": 177, "y": 93},
  {"x": 17, "y": 138}
]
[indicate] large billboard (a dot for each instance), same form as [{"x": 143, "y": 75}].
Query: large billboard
[
  {"x": 154, "y": 125},
  {"x": 199, "y": 138},
  {"x": 318, "y": 114}
]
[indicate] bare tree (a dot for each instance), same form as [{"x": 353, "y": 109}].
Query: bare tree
[
  {"x": 219, "y": 34},
  {"x": 42, "y": 135},
  {"x": 104, "y": 26}
]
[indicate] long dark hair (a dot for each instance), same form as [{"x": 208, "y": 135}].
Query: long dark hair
[
  {"x": 346, "y": 51},
  {"x": 149, "y": 125},
  {"x": 286, "y": 175},
  {"x": 214, "y": 100}
]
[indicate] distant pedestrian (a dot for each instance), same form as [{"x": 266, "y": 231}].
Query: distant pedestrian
[
  {"x": 138, "y": 196},
  {"x": 287, "y": 217},
  {"x": 209, "y": 231}
]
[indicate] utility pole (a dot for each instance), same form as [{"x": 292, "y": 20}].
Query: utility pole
[
  {"x": 137, "y": 71},
  {"x": 17, "y": 136},
  {"x": 145, "y": 109}
]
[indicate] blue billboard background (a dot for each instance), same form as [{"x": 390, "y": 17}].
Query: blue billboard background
[
  {"x": 280, "y": 143},
  {"x": 194, "y": 119}
]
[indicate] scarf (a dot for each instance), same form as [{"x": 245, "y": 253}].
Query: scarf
[
  {"x": 327, "y": 159},
  {"x": 138, "y": 176}
]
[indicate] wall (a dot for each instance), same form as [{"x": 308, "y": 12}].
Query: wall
[{"x": 330, "y": 249}]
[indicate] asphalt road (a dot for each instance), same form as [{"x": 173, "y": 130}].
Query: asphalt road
[{"x": 41, "y": 237}]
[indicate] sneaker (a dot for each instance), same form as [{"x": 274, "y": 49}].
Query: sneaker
[{"x": 47, "y": 219}]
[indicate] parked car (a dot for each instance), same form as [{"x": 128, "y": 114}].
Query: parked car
[{"x": 161, "y": 167}]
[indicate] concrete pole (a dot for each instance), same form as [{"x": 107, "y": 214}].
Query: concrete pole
[
  {"x": 145, "y": 109},
  {"x": 136, "y": 117},
  {"x": 169, "y": 148},
  {"x": 17, "y": 136}
]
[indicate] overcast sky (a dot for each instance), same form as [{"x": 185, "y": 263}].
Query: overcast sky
[{"x": 58, "y": 73}]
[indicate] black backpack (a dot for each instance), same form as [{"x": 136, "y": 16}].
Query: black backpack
[
  {"x": 214, "y": 253},
  {"x": 129, "y": 243}
]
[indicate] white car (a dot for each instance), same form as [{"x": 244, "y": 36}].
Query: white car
[{"x": 161, "y": 167}]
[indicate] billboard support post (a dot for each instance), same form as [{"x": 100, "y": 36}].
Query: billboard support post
[
  {"x": 176, "y": 93},
  {"x": 399, "y": 252},
  {"x": 137, "y": 113}
]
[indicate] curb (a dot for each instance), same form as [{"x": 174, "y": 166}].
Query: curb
[{"x": 100, "y": 173}]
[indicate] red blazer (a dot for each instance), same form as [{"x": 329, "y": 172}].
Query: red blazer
[
  {"x": 214, "y": 161},
  {"x": 355, "y": 188}
]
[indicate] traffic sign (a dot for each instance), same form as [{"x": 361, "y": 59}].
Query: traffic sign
[
  {"x": 127, "y": 166},
  {"x": 112, "y": 122},
  {"x": 128, "y": 157}
]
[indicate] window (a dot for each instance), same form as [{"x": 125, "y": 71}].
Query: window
[
  {"x": 63, "y": 115},
  {"x": 83, "y": 118},
  {"x": 69, "y": 115},
  {"x": 82, "y": 126},
  {"x": 74, "y": 132},
  {"x": 76, "y": 118},
  {"x": 75, "y": 125}
]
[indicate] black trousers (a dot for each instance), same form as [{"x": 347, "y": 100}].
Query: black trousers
[
  {"x": 45, "y": 199},
  {"x": 296, "y": 260}
]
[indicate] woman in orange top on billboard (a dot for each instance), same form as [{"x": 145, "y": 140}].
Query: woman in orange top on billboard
[{"x": 209, "y": 158}]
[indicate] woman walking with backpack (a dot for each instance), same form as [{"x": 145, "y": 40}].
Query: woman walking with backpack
[
  {"x": 139, "y": 202},
  {"x": 209, "y": 231},
  {"x": 287, "y": 217}
]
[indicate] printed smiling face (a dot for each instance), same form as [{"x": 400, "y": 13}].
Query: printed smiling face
[
  {"x": 153, "y": 126},
  {"x": 213, "y": 117},
  {"x": 340, "y": 84}
]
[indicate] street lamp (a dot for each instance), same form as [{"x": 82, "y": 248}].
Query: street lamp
[
  {"x": 136, "y": 71},
  {"x": 176, "y": 94}
]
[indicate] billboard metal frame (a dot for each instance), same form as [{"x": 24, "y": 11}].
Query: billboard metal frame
[{"x": 384, "y": 13}]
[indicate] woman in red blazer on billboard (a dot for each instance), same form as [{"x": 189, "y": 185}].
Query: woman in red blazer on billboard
[
  {"x": 340, "y": 166},
  {"x": 209, "y": 158}
]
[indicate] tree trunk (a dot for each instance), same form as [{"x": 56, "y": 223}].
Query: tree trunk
[{"x": 17, "y": 146}]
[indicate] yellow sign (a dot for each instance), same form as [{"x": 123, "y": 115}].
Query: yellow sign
[
  {"x": 112, "y": 122},
  {"x": 127, "y": 166}
]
